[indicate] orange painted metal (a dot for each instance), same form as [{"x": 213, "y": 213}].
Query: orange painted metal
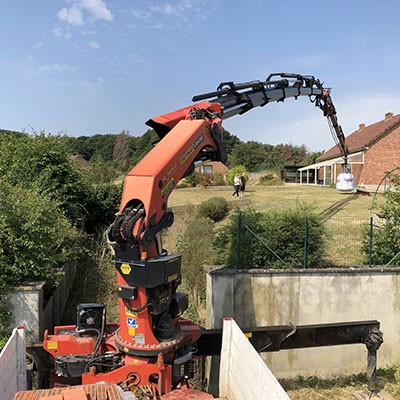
[
  {"x": 145, "y": 360},
  {"x": 151, "y": 182},
  {"x": 99, "y": 391}
]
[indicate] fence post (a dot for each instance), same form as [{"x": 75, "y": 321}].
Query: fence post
[
  {"x": 305, "y": 242},
  {"x": 238, "y": 240},
  {"x": 371, "y": 224}
]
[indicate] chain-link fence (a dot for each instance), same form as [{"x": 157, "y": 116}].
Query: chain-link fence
[
  {"x": 348, "y": 238},
  {"x": 344, "y": 238}
]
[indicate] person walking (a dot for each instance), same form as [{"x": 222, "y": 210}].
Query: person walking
[
  {"x": 236, "y": 183},
  {"x": 242, "y": 184}
]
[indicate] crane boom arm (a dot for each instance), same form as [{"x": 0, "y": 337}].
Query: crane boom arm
[
  {"x": 147, "y": 276},
  {"x": 239, "y": 98}
]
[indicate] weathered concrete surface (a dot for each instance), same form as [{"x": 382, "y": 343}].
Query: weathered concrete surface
[
  {"x": 267, "y": 298},
  {"x": 243, "y": 374},
  {"x": 12, "y": 365},
  {"x": 25, "y": 306}
]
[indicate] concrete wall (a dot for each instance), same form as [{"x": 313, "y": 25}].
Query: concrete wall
[
  {"x": 12, "y": 365},
  {"x": 243, "y": 374},
  {"x": 27, "y": 308},
  {"x": 267, "y": 298}
]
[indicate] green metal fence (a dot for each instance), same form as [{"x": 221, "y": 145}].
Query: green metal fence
[{"x": 344, "y": 238}]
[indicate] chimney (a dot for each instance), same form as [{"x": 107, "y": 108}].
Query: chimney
[
  {"x": 388, "y": 115},
  {"x": 361, "y": 126}
]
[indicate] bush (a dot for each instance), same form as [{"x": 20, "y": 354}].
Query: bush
[
  {"x": 101, "y": 172},
  {"x": 195, "y": 254},
  {"x": 103, "y": 205},
  {"x": 215, "y": 208},
  {"x": 35, "y": 237},
  {"x": 218, "y": 179},
  {"x": 281, "y": 230},
  {"x": 42, "y": 163},
  {"x": 205, "y": 180},
  {"x": 192, "y": 180},
  {"x": 386, "y": 241},
  {"x": 270, "y": 179},
  {"x": 237, "y": 170}
]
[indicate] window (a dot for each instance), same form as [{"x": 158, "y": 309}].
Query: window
[
  {"x": 328, "y": 174},
  {"x": 206, "y": 169}
]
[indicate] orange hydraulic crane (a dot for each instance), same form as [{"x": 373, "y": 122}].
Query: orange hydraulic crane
[{"x": 152, "y": 345}]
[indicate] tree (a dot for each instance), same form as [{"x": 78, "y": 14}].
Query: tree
[
  {"x": 250, "y": 154},
  {"x": 123, "y": 150},
  {"x": 229, "y": 140},
  {"x": 93, "y": 148},
  {"x": 142, "y": 145},
  {"x": 43, "y": 163}
]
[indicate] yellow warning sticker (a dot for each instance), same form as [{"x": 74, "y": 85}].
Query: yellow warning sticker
[
  {"x": 126, "y": 269},
  {"x": 52, "y": 345},
  {"x": 131, "y": 331},
  {"x": 129, "y": 313}
]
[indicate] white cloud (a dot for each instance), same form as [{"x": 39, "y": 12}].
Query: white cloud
[
  {"x": 138, "y": 59},
  {"x": 141, "y": 14},
  {"x": 38, "y": 45},
  {"x": 74, "y": 15},
  {"x": 97, "y": 8},
  {"x": 59, "y": 32},
  {"x": 55, "y": 68},
  {"x": 183, "y": 12},
  {"x": 93, "y": 44}
]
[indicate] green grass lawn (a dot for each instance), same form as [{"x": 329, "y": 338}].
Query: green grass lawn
[{"x": 345, "y": 214}]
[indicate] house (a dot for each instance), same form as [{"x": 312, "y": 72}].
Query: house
[
  {"x": 290, "y": 173},
  {"x": 210, "y": 167},
  {"x": 373, "y": 151}
]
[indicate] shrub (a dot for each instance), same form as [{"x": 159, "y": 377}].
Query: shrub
[
  {"x": 35, "y": 237},
  {"x": 238, "y": 169},
  {"x": 270, "y": 179},
  {"x": 218, "y": 179},
  {"x": 215, "y": 208},
  {"x": 195, "y": 254},
  {"x": 281, "y": 230},
  {"x": 103, "y": 204},
  {"x": 205, "y": 180},
  {"x": 42, "y": 163},
  {"x": 386, "y": 241},
  {"x": 191, "y": 180}
]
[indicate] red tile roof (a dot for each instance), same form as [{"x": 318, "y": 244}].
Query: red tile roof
[{"x": 365, "y": 136}]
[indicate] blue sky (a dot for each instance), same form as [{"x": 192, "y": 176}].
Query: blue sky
[{"x": 102, "y": 66}]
